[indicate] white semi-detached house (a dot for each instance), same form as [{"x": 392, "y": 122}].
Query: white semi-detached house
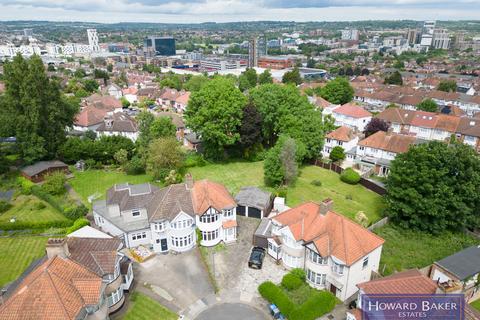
[
  {"x": 166, "y": 219},
  {"x": 350, "y": 115},
  {"x": 343, "y": 137},
  {"x": 335, "y": 252}
]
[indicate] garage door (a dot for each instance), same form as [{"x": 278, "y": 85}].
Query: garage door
[
  {"x": 241, "y": 210},
  {"x": 254, "y": 213}
]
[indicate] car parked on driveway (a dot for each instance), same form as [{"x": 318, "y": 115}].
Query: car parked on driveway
[{"x": 256, "y": 258}]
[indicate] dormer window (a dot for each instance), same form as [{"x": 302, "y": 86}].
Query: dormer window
[{"x": 135, "y": 213}]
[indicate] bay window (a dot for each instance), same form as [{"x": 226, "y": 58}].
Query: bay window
[
  {"x": 316, "y": 258},
  {"x": 316, "y": 278}
]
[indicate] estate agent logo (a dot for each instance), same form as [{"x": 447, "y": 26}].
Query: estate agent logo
[{"x": 412, "y": 306}]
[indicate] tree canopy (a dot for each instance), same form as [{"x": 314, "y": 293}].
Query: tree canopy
[
  {"x": 434, "y": 187},
  {"x": 280, "y": 165},
  {"x": 265, "y": 77},
  {"x": 428, "y": 105},
  {"x": 215, "y": 113},
  {"x": 447, "y": 86},
  {"x": 292, "y": 77},
  {"x": 394, "y": 78},
  {"x": 337, "y": 91},
  {"x": 164, "y": 155},
  {"x": 35, "y": 109},
  {"x": 375, "y": 125}
]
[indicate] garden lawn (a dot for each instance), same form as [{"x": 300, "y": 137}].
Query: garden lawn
[
  {"x": 406, "y": 249},
  {"x": 143, "y": 307},
  {"x": 348, "y": 199},
  {"x": 31, "y": 209},
  {"x": 476, "y": 304},
  {"x": 90, "y": 182},
  {"x": 17, "y": 254}
]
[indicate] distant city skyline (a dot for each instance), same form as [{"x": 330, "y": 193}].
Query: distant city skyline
[{"x": 196, "y": 11}]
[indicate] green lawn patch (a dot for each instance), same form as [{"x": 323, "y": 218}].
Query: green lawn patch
[
  {"x": 476, "y": 304},
  {"x": 17, "y": 254},
  {"x": 348, "y": 199},
  {"x": 145, "y": 308},
  {"x": 406, "y": 249},
  {"x": 30, "y": 209},
  {"x": 91, "y": 181}
]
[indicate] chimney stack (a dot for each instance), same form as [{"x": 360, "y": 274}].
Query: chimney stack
[
  {"x": 325, "y": 206},
  {"x": 189, "y": 181},
  {"x": 57, "y": 247}
]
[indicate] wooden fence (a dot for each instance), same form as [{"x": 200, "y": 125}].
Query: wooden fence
[{"x": 369, "y": 184}]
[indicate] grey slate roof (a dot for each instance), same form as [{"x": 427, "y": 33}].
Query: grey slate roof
[
  {"x": 121, "y": 123},
  {"x": 130, "y": 197},
  {"x": 168, "y": 202},
  {"x": 264, "y": 229},
  {"x": 41, "y": 166},
  {"x": 462, "y": 264},
  {"x": 254, "y": 197}
]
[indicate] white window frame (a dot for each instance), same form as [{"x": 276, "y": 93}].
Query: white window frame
[
  {"x": 319, "y": 279},
  {"x": 338, "y": 268},
  {"x": 317, "y": 259},
  {"x": 365, "y": 262},
  {"x": 135, "y": 213}
]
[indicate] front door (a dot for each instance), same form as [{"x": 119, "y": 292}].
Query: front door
[
  {"x": 333, "y": 289},
  {"x": 163, "y": 244}
]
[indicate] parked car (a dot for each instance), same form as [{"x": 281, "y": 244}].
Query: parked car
[
  {"x": 256, "y": 258},
  {"x": 275, "y": 312}
]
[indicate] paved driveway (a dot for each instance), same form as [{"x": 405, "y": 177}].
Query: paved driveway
[
  {"x": 175, "y": 280},
  {"x": 231, "y": 311}
]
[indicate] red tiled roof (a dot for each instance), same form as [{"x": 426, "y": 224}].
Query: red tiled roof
[
  {"x": 183, "y": 99},
  {"x": 352, "y": 110},
  {"x": 392, "y": 142},
  {"x": 229, "y": 224},
  {"x": 57, "y": 289},
  {"x": 424, "y": 119},
  {"x": 407, "y": 282},
  {"x": 342, "y": 133},
  {"x": 332, "y": 233},
  {"x": 90, "y": 116},
  {"x": 206, "y": 194}
]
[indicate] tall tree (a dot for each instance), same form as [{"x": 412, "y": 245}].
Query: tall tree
[
  {"x": 447, "y": 86},
  {"x": 265, "y": 77},
  {"x": 215, "y": 113},
  {"x": 251, "y": 128},
  {"x": 375, "y": 125},
  {"x": 337, "y": 91},
  {"x": 281, "y": 163},
  {"x": 434, "y": 187},
  {"x": 394, "y": 78},
  {"x": 34, "y": 103},
  {"x": 292, "y": 77},
  {"x": 164, "y": 155},
  {"x": 428, "y": 105},
  {"x": 162, "y": 127},
  {"x": 195, "y": 83},
  {"x": 144, "y": 120}
]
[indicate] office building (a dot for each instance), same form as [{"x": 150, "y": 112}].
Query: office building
[
  {"x": 441, "y": 39},
  {"x": 159, "y": 46},
  {"x": 412, "y": 36},
  {"x": 427, "y": 34},
  {"x": 93, "y": 40},
  {"x": 350, "y": 35},
  {"x": 220, "y": 64}
]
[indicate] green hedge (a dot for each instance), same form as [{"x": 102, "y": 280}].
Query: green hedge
[
  {"x": 317, "y": 305},
  {"x": 79, "y": 223},
  {"x": 42, "y": 194},
  {"x": 291, "y": 282},
  {"x": 350, "y": 176},
  {"x": 18, "y": 225},
  {"x": 269, "y": 291}
]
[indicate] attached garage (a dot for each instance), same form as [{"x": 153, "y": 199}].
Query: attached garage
[{"x": 253, "y": 202}]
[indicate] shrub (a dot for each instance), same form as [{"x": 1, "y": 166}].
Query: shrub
[
  {"x": 55, "y": 183},
  {"x": 269, "y": 291},
  {"x": 135, "y": 166},
  {"x": 350, "y": 176},
  {"x": 90, "y": 163},
  {"x": 25, "y": 185},
  {"x": 281, "y": 192},
  {"x": 79, "y": 223},
  {"x": 41, "y": 194},
  {"x": 316, "y": 183},
  {"x": 39, "y": 206},
  {"x": 194, "y": 159},
  {"x": 75, "y": 213},
  {"x": 337, "y": 154},
  {"x": 300, "y": 273},
  {"x": 317, "y": 305},
  {"x": 291, "y": 282},
  {"x": 27, "y": 225},
  {"x": 4, "y": 206}
]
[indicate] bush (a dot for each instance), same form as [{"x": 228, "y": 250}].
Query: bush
[
  {"x": 194, "y": 159},
  {"x": 316, "y": 183},
  {"x": 269, "y": 291},
  {"x": 79, "y": 223},
  {"x": 281, "y": 192},
  {"x": 135, "y": 166},
  {"x": 317, "y": 305},
  {"x": 300, "y": 273},
  {"x": 41, "y": 194},
  {"x": 25, "y": 185},
  {"x": 55, "y": 183},
  {"x": 4, "y": 206},
  {"x": 350, "y": 176},
  {"x": 39, "y": 206},
  {"x": 75, "y": 213},
  {"x": 291, "y": 282},
  {"x": 27, "y": 225},
  {"x": 337, "y": 154}
]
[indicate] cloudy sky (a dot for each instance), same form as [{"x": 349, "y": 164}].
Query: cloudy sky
[{"x": 191, "y": 11}]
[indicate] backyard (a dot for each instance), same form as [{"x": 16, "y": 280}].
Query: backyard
[
  {"x": 476, "y": 304},
  {"x": 92, "y": 181},
  {"x": 143, "y": 307},
  {"x": 406, "y": 249},
  {"x": 17, "y": 254},
  {"x": 31, "y": 209},
  {"x": 348, "y": 199}
]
